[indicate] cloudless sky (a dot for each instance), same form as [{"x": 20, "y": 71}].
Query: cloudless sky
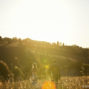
[{"x": 46, "y": 20}]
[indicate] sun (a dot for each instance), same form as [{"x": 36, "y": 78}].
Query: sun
[{"x": 48, "y": 85}]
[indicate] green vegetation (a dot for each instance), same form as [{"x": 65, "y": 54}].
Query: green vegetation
[{"x": 19, "y": 55}]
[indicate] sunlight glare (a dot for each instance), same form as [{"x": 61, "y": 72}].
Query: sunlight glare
[{"x": 48, "y": 85}]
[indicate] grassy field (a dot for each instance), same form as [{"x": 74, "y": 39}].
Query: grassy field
[{"x": 64, "y": 83}]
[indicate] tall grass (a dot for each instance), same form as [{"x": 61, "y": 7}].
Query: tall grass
[
  {"x": 64, "y": 83},
  {"x": 35, "y": 82}
]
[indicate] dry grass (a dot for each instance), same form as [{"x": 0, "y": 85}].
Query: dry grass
[
  {"x": 74, "y": 83},
  {"x": 64, "y": 83}
]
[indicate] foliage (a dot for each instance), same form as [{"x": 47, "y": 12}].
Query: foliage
[{"x": 5, "y": 73}]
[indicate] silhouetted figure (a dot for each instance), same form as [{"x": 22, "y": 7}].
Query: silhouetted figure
[{"x": 54, "y": 73}]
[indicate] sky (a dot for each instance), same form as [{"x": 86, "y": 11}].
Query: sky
[{"x": 46, "y": 20}]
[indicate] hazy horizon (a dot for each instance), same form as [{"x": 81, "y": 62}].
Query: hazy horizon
[{"x": 49, "y": 20}]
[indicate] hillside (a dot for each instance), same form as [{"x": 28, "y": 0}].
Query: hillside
[{"x": 20, "y": 54}]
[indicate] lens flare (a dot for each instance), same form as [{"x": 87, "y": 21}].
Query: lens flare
[
  {"x": 46, "y": 66},
  {"x": 48, "y": 85}
]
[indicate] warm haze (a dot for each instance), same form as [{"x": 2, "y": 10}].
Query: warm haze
[{"x": 46, "y": 20}]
